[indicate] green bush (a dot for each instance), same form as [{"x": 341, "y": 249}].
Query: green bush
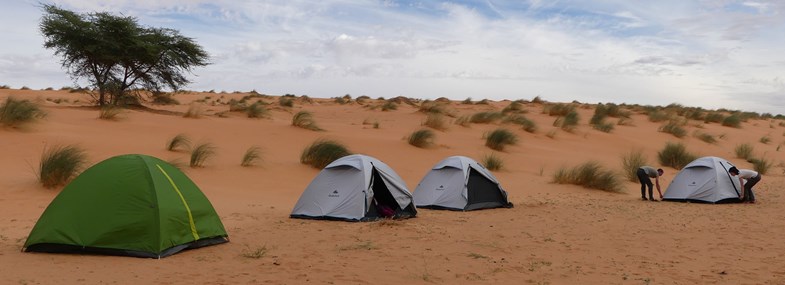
[
  {"x": 603, "y": 127},
  {"x": 500, "y": 138},
  {"x": 421, "y": 138},
  {"x": 708, "y": 138},
  {"x": 286, "y": 101},
  {"x": 389, "y": 106},
  {"x": 485, "y": 117},
  {"x": 59, "y": 164},
  {"x": 304, "y": 119},
  {"x": 658, "y": 116},
  {"x": 675, "y": 155},
  {"x": 589, "y": 175},
  {"x": 713, "y": 117},
  {"x": 744, "y": 151},
  {"x": 765, "y": 140},
  {"x": 761, "y": 165},
  {"x": 435, "y": 121},
  {"x": 161, "y": 98},
  {"x": 323, "y": 152},
  {"x": 467, "y": 101},
  {"x": 630, "y": 162},
  {"x": 492, "y": 162},
  {"x": 464, "y": 121},
  {"x": 733, "y": 121},
  {"x": 14, "y": 113},
  {"x": 560, "y": 110},
  {"x": 201, "y": 153},
  {"x": 257, "y": 110},
  {"x": 251, "y": 157},
  {"x": 569, "y": 122},
  {"x": 179, "y": 142},
  {"x": 528, "y": 125},
  {"x": 673, "y": 127},
  {"x": 515, "y": 107},
  {"x": 111, "y": 113}
]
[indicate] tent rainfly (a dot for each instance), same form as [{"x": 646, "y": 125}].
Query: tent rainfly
[
  {"x": 130, "y": 205},
  {"x": 460, "y": 183},
  {"x": 705, "y": 179},
  {"x": 355, "y": 188}
]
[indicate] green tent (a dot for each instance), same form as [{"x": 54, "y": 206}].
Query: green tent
[{"x": 134, "y": 205}]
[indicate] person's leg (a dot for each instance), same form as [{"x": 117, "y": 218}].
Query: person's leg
[
  {"x": 651, "y": 191},
  {"x": 749, "y": 195},
  {"x": 643, "y": 178}
]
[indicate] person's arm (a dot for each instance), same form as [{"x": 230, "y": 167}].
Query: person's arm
[
  {"x": 741, "y": 182},
  {"x": 657, "y": 182}
]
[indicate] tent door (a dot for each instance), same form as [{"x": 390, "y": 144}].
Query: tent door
[
  {"x": 483, "y": 193},
  {"x": 382, "y": 204}
]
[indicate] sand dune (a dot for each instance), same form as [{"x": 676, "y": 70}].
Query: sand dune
[{"x": 556, "y": 234}]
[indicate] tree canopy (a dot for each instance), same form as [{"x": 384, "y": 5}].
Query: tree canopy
[{"x": 117, "y": 55}]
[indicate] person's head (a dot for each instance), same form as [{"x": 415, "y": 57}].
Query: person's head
[
  {"x": 660, "y": 171},
  {"x": 733, "y": 171}
]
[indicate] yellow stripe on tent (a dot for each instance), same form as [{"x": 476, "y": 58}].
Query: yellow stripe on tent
[{"x": 187, "y": 209}]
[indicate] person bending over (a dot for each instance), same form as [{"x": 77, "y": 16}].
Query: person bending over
[
  {"x": 752, "y": 177},
  {"x": 645, "y": 174}
]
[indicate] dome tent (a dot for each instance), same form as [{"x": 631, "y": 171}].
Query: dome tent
[
  {"x": 705, "y": 179},
  {"x": 132, "y": 205},
  {"x": 460, "y": 183},
  {"x": 355, "y": 188}
]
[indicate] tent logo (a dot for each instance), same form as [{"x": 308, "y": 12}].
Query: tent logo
[
  {"x": 693, "y": 183},
  {"x": 334, "y": 194},
  {"x": 441, "y": 188}
]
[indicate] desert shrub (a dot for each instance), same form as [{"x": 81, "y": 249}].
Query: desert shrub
[
  {"x": 551, "y": 134},
  {"x": 180, "y": 142},
  {"x": 527, "y": 125},
  {"x": 761, "y": 165},
  {"x": 630, "y": 162},
  {"x": 483, "y": 102},
  {"x": 24, "y": 88},
  {"x": 515, "y": 107},
  {"x": 537, "y": 100},
  {"x": 435, "y": 121},
  {"x": 559, "y": 110},
  {"x": 673, "y": 127},
  {"x": 675, "y": 155},
  {"x": 706, "y": 137},
  {"x": 162, "y": 98},
  {"x": 569, "y": 122},
  {"x": 603, "y": 127},
  {"x": 304, "y": 119},
  {"x": 342, "y": 100},
  {"x": 59, "y": 164},
  {"x": 467, "y": 101},
  {"x": 421, "y": 138},
  {"x": 714, "y": 117},
  {"x": 625, "y": 122},
  {"x": 257, "y": 110},
  {"x": 286, "y": 101},
  {"x": 322, "y": 152},
  {"x": 485, "y": 117},
  {"x": 362, "y": 99},
  {"x": 658, "y": 116},
  {"x": 201, "y": 153},
  {"x": 195, "y": 111},
  {"x": 765, "y": 140},
  {"x": 744, "y": 151},
  {"x": 111, "y": 113},
  {"x": 14, "y": 113},
  {"x": 389, "y": 106},
  {"x": 733, "y": 121},
  {"x": 463, "y": 121},
  {"x": 492, "y": 162},
  {"x": 589, "y": 175},
  {"x": 500, "y": 138},
  {"x": 251, "y": 157},
  {"x": 5, "y": 86}
]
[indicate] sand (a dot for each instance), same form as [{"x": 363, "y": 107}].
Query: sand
[{"x": 555, "y": 234}]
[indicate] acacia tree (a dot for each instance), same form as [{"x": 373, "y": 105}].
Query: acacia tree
[{"x": 117, "y": 55}]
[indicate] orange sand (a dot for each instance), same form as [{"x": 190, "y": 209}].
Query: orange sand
[{"x": 556, "y": 234}]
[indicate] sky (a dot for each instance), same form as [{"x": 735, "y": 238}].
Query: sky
[{"x": 700, "y": 53}]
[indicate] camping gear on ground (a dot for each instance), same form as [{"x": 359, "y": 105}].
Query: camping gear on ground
[
  {"x": 132, "y": 205},
  {"x": 460, "y": 183},
  {"x": 705, "y": 179},
  {"x": 355, "y": 188}
]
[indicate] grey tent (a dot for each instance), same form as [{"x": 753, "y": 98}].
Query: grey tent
[
  {"x": 705, "y": 179},
  {"x": 355, "y": 188},
  {"x": 460, "y": 183}
]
